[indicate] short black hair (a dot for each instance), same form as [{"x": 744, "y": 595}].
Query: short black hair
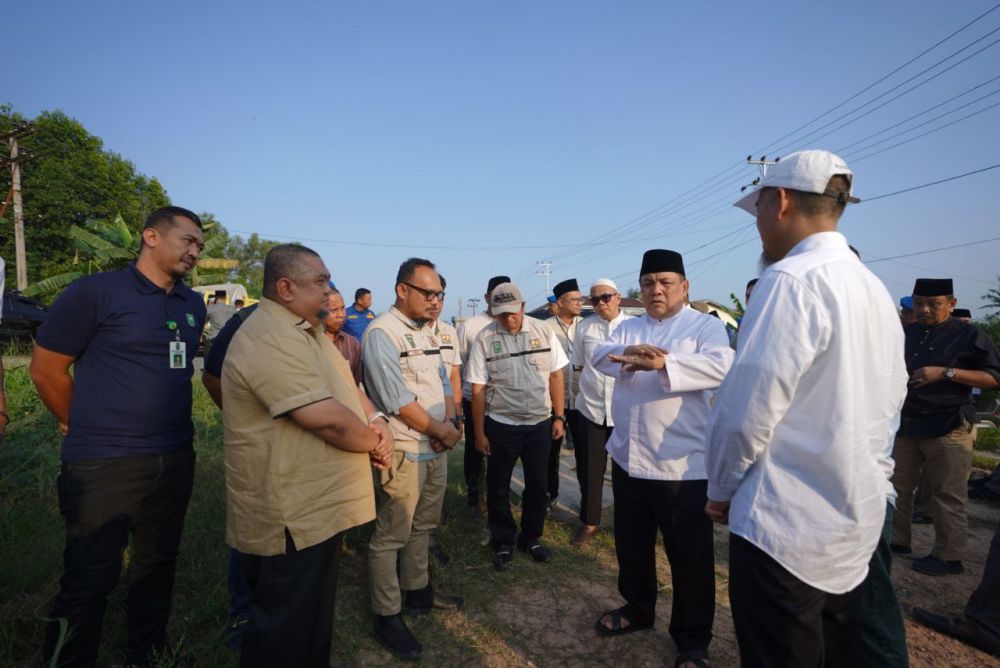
[
  {"x": 361, "y": 292},
  {"x": 166, "y": 215},
  {"x": 444, "y": 283},
  {"x": 409, "y": 267},
  {"x": 283, "y": 261},
  {"x": 752, "y": 282}
]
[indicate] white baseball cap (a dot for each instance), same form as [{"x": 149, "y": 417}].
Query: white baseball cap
[
  {"x": 806, "y": 171},
  {"x": 506, "y": 298}
]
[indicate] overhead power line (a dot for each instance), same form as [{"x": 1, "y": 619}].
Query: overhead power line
[{"x": 932, "y": 183}]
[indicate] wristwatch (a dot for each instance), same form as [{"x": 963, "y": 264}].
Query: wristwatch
[
  {"x": 560, "y": 417},
  {"x": 949, "y": 373},
  {"x": 377, "y": 415},
  {"x": 457, "y": 420}
]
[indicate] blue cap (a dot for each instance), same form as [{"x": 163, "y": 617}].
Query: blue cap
[
  {"x": 906, "y": 302},
  {"x": 552, "y": 299},
  {"x": 333, "y": 286}
]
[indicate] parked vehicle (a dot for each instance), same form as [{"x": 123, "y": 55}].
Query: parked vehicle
[{"x": 22, "y": 316}]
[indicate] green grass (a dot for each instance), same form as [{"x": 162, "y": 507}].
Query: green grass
[
  {"x": 988, "y": 440},
  {"x": 32, "y": 534}
]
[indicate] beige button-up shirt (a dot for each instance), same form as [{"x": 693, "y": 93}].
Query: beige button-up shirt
[{"x": 279, "y": 475}]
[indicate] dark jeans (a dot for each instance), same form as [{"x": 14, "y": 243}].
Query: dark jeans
[
  {"x": 983, "y": 607},
  {"x": 883, "y": 637},
  {"x": 103, "y": 502},
  {"x": 291, "y": 620},
  {"x": 473, "y": 460},
  {"x": 677, "y": 509},
  {"x": 591, "y": 463},
  {"x": 240, "y": 594},
  {"x": 555, "y": 449},
  {"x": 507, "y": 444},
  {"x": 783, "y": 622}
]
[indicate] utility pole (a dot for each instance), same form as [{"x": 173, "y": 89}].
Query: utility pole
[
  {"x": 473, "y": 303},
  {"x": 15, "y": 160},
  {"x": 544, "y": 269},
  {"x": 762, "y": 164}
]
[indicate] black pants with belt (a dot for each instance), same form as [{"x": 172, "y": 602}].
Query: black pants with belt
[
  {"x": 473, "y": 459},
  {"x": 104, "y": 502},
  {"x": 509, "y": 443},
  {"x": 591, "y": 463},
  {"x": 291, "y": 618},
  {"x": 783, "y": 622},
  {"x": 677, "y": 509}
]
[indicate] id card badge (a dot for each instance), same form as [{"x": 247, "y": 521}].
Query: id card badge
[{"x": 178, "y": 355}]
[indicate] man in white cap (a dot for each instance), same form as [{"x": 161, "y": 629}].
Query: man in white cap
[
  {"x": 797, "y": 447},
  {"x": 666, "y": 365},
  {"x": 515, "y": 368},
  {"x": 594, "y": 404}
]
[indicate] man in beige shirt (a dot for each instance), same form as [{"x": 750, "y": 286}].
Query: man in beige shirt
[{"x": 297, "y": 448}]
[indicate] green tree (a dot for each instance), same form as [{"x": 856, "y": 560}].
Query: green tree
[
  {"x": 72, "y": 179},
  {"x": 992, "y": 298},
  {"x": 633, "y": 293}
]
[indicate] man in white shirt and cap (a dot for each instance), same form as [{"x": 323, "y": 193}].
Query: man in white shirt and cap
[
  {"x": 593, "y": 402},
  {"x": 797, "y": 446},
  {"x": 666, "y": 365}
]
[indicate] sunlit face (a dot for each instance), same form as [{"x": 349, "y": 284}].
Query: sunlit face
[
  {"x": 933, "y": 310},
  {"x": 511, "y": 322},
  {"x": 308, "y": 293},
  {"x": 663, "y": 293},
  {"x": 420, "y": 297},
  {"x": 606, "y": 301},
  {"x": 335, "y": 313},
  {"x": 175, "y": 248},
  {"x": 365, "y": 302},
  {"x": 570, "y": 303}
]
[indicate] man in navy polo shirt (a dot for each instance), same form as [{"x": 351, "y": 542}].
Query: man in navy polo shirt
[
  {"x": 359, "y": 314},
  {"x": 127, "y": 456}
]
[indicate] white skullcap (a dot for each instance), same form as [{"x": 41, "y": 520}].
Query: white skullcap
[{"x": 605, "y": 281}]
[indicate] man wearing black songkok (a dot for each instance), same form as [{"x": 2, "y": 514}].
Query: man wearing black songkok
[
  {"x": 569, "y": 304},
  {"x": 946, "y": 358}
]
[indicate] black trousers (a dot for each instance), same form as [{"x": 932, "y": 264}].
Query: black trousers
[
  {"x": 591, "y": 463},
  {"x": 473, "y": 459},
  {"x": 104, "y": 501},
  {"x": 677, "y": 509},
  {"x": 782, "y": 621},
  {"x": 983, "y": 607},
  {"x": 572, "y": 427},
  {"x": 509, "y": 443},
  {"x": 880, "y": 621},
  {"x": 291, "y": 617}
]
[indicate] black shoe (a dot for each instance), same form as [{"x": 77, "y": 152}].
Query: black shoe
[
  {"x": 961, "y": 628},
  {"x": 931, "y": 565},
  {"x": 422, "y": 601},
  {"x": 900, "y": 549},
  {"x": 538, "y": 552},
  {"x": 391, "y": 631},
  {"x": 435, "y": 550},
  {"x": 502, "y": 557}
]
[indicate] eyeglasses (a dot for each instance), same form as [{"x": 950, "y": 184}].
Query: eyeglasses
[
  {"x": 429, "y": 295},
  {"x": 605, "y": 298}
]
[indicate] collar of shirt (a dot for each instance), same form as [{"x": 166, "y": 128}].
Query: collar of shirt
[
  {"x": 818, "y": 241},
  {"x": 281, "y": 313},
  {"x": 412, "y": 324},
  {"x": 148, "y": 287}
]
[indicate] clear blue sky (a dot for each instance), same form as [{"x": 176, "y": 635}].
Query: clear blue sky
[{"x": 526, "y": 130}]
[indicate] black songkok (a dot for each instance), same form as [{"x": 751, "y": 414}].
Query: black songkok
[
  {"x": 933, "y": 287},
  {"x": 569, "y": 285},
  {"x": 495, "y": 281},
  {"x": 658, "y": 260},
  {"x": 961, "y": 313}
]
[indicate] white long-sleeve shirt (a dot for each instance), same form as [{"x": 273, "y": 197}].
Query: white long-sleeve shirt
[
  {"x": 467, "y": 333},
  {"x": 596, "y": 389},
  {"x": 797, "y": 439},
  {"x": 660, "y": 416}
]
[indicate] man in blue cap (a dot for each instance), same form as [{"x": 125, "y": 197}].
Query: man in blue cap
[{"x": 906, "y": 311}]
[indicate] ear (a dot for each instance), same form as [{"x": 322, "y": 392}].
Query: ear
[
  {"x": 400, "y": 291},
  {"x": 784, "y": 203},
  {"x": 151, "y": 237},
  {"x": 284, "y": 290}
]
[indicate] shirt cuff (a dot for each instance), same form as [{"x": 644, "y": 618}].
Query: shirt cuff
[
  {"x": 298, "y": 401},
  {"x": 716, "y": 493}
]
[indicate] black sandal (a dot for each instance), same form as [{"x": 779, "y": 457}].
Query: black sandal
[{"x": 616, "y": 628}]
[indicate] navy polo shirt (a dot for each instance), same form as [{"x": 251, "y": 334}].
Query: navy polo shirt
[
  {"x": 356, "y": 322},
  {"x": 127, "y": 401}
]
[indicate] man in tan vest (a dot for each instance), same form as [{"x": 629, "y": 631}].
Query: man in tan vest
[
  {"x": 297, "y": 445},
  {"x": 406, "y": 378}
]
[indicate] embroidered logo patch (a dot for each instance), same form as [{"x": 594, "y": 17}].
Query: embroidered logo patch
[
  {"x": 535, "y": 343},
  {"x": 190, "y": 319},
  {"x": 497, "y": 347},
  {"x": 446, "y": 338},
  {"x": 409, "y": 339}
]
